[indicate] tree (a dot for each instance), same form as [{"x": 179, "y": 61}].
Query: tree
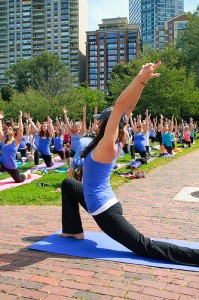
[
  {"x": 79, "y": 96},
  {"x": 188, "y": 43},
  {"x": 49, "y": 75},
  {"x": 45, "y": 73},
  {"x": 7, "y": 92},
  {"x": 174, "y": 92},
  {"x": 20, "y": 74}
]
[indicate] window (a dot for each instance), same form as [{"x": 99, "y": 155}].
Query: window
[{"x": 93, "y": 53}]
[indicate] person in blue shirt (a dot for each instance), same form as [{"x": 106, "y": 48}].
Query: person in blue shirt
[
  {"x": 95, "y": 193},
  {"x": 58, "y": 141},
  {"x": 77, "y": 162},
  {"x": 10, "y": 144},
  {"x": 76, "y": 132},
  {"x": 46, "y": 133}
]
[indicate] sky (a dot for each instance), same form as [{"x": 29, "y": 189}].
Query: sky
[{"x": 104, "y": 9}]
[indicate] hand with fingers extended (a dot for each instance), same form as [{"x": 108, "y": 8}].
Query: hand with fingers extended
[
  {"x": 1, "y": 115},
  {"x": 65, "y": 110},
  {"x": 147, "y": 72},
  {"x": 26, "y": 115},
  {"x": 20, "y": 114}
]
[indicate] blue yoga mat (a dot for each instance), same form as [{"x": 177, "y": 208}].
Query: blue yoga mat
[
  {"x": 61, "y": 170},
  {"x": 98, "y": 245}
]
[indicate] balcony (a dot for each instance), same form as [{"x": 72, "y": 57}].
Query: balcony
[{"x": 38, "y": 36}]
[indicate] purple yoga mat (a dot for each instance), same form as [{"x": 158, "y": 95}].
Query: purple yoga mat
[{"x": 56, "y": 165}]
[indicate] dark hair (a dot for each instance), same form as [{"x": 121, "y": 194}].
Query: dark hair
[
  {"x": 58, "y": 131},
  {"x": 99, "y": 136},
  {"x": 41, "y": 132}
]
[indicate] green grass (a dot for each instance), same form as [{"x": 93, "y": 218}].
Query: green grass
[{"x": 32, "y": 194}]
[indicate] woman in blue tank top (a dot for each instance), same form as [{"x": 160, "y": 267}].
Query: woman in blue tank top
[
  {"x": 96, "y": 195},
  {"x": 46, "y": 133},
  {"x": 10, "y": 144},
  {"x": 76, "y": 132},
  {"x": 59, "y": 143}
]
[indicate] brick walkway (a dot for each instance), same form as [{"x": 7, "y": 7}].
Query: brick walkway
[{"x": 147, "y": 204}]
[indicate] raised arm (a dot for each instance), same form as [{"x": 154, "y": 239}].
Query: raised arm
[
  {"x": 83, "y": 129},
  {"x": 20, "y": 130},
  {"x": 51, "y": 128},
  {"x": 171, "y": 125},
  {"x": 27, "y": 116},
  {"x": 146, "y": 125},
  {"x": 125, "y": 103},
  {"x": 2, "y": 136},
  {"x": 132, "y": 124},
  {"x": 66, "y": 120}
]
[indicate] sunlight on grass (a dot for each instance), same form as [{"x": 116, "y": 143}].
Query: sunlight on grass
[{"x": 32, "y": 194}]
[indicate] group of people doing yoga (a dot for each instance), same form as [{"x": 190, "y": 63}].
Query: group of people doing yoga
[
  {"x": 42, "y": 141},
  {"x": 163, "y": 131},
  {"x": 35, "y": 141},
  {"x": 98, "y": 155}
]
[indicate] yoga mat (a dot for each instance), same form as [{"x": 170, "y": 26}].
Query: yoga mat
[
  {"x": 55, "y": 166},
  {"x": 119, "y": 166},
  {"x": 10, "y": 183},
  {"x": 57, "y": 158},
  {"x": 98, "y": 245},
  {"x": 19, "y": 163},
  {"x": 61, "y": 170}
]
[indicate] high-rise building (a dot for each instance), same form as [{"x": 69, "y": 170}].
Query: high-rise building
[
  {"x": 167, "y": 35},
  {"x": 135, "y": 11},
  {"x": 114, "y": 42},
  {"x": 153, "y": 13},
  {"x": 27, "y": 28}
]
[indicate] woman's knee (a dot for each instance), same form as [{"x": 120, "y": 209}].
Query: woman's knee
[{"x": 67, "y": 183}]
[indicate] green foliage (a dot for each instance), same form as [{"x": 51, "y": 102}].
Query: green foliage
[
  {"x": 45, "y": 73},
  {"x": 188, "y": 44},
  {"x": 174, "y": 92},
  {"x": 7, "y": 92},
  {"x": 33, "y": 102},
  {"x": 20, "y": 74},
  {"x": 39, "y": 106},
  {"x": 32, "y": 194},
  {"x": 76, "y": 98}
]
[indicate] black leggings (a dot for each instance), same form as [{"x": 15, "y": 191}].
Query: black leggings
[
  {"x": 60, "y": 153},
  {"x": 134, "y": 150},
  {"x": 118, "y": 228},
  {"x": 14, "y": 173},
  {"x": 47, "y": 158}
]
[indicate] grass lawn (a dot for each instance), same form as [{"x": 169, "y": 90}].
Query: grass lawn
[{"x": 32, "y": 194}]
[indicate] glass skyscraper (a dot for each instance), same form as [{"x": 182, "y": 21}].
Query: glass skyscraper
[
  {"x": 134, "y": 11},
  {"x": 153, "y": 13},
  {"x": 27, "y": 28}
]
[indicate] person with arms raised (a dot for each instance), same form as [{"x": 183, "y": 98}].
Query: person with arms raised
[{"x": 96, "y": 195}]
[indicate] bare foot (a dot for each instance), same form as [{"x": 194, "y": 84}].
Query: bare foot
[
  {"x": 77, "y": 236},
  {"x": 28, "y": 174}
]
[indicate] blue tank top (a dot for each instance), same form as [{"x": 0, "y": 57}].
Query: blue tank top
[
  {"x": 44, "y": 146},
  {"x": 167, "y": 139},
  {"x": 96, "y": 183},
  {"x": 36, "y": 140},
  {"x": 8, "y": 157},
  {"x": 139, "y": 142},
  {"x": 58, "y": 143},
  {"x": 82, "y": 144},
  {"x": 74, "y": 139},
  {"x": 22, "y": 145},
  {"x": 152, "y": 132}
]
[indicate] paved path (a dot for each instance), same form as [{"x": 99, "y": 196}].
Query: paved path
[{"x": 147, "y": 204}]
